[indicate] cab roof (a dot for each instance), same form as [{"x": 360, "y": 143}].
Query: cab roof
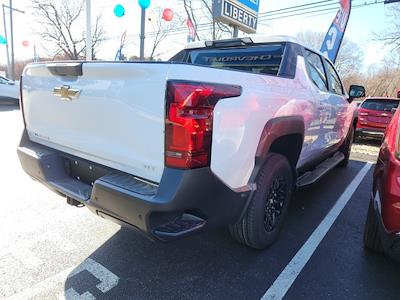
[{"x": 251, "y": 39}]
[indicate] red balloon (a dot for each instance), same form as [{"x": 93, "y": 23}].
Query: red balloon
[
  {"x": 25, "y": 43},
  {"x": 168, "y": 14}
]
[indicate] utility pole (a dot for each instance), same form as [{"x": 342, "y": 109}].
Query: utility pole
[
  {"x": 5, "y": 36},
  {"x": 12, "y": 75},
  {"x": 89, "y": 52},
  {"x": 142, "y": 35},
  {"x": 10, "y": 66},
  {"x": 235, "y": 31}
]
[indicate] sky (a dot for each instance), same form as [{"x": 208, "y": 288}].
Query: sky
[{"x": 363, "y": 23}]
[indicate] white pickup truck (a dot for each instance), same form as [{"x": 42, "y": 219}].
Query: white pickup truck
[{"x": 220, "y": 135}]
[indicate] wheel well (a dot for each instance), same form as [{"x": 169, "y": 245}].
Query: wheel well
[{"x": 289, "y": 146}]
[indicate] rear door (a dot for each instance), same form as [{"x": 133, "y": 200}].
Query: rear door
[
  {"x": 340, "y": 112},
  {"x": 316, "y": 136}
]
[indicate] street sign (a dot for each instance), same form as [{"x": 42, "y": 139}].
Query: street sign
[
  {"x": 252, "y": 4},
  {"x": 240, "y": 13}
]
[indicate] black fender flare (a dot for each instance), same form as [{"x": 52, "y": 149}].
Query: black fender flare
[{"x": 274, "y": 129}]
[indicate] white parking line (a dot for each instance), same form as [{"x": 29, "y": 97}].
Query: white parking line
[
  {"x": 285, "y": 280},
  {"x": 108, "y": 280}
]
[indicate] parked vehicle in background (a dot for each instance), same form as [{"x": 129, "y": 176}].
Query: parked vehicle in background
[
  {"x": 374, "y": 115},
  {"x": 9, "y": 91},
  {"x": 382, "y": 228},
  {"x": 219, "y": 136},
  {"x": 358, "y": 102}
]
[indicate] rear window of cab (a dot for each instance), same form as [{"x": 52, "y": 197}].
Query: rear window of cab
[
  {"x": 380, "y": 104},
  {"x": 265, "y": 59}
]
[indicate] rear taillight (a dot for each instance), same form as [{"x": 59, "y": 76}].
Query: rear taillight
[{"x": 189, "y": 121}]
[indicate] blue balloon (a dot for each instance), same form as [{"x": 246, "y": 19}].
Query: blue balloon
[
  {"x": 119, "y": 10},
  {"x": 3, "y": 41},
  {"x": 144, "y": 3}
]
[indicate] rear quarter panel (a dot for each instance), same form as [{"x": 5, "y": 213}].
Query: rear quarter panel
[{"x": 239, "y": 122}]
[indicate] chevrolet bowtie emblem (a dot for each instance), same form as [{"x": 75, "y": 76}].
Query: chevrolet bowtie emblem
[{"x": 66, "y": 93}]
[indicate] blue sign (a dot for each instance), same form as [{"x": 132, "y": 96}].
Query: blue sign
[
  {"x": 240, "y": 13},
  {"x": 252, "y": 4}
]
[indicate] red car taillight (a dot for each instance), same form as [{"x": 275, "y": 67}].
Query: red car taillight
[{"x": 189, "y": 120}]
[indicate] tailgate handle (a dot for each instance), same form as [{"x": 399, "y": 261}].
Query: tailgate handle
[{"x": 65, "y": 69}]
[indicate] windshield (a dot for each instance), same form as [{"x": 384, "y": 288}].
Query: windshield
[
  {"x": 380, "y": 104},
  {"x": 261, "y": 59}
]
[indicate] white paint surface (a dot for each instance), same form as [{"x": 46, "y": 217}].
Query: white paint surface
[{"x": 108, "y": 280}]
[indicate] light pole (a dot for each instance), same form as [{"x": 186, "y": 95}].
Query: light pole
[
  {"x": 144, "y": 4},
  {"x": 5, "y": 36},
  {"x": 89, "y": 52},
  {"x": 10, "y": 66},
  {"x": 12, "y": 75},
  {"x": 142, "y": 33}
]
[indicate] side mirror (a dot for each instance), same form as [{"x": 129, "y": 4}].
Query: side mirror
[{"x": 356, "y": 91}]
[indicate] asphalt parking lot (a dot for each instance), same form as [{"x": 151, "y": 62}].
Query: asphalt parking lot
[{"x": 49, "y": 250}]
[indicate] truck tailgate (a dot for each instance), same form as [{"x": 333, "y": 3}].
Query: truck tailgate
[{"x": 110, "y": 113}]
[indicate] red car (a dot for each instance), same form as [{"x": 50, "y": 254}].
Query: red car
[
  {"x": 382, "y": 228},
  {"x": 374, "y": 114}
]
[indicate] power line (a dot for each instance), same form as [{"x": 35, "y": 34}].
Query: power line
[
  {"x": 313, "y": 11},
  {"x": 278, "y": 11},
  {"x": 320, "y": 10},
  {"x": 298, "y": 7}
]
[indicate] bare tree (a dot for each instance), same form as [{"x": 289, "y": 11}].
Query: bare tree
[
  {"x": 201, "y": 14},
  {"x": 391, "y": 35},
  {"x": 61, "y": 27},
  {"x": 161, "y": 28},
  {"x": 350, "y": 57}
]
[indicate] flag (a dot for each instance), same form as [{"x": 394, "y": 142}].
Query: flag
[
  {"x": 118, "y": 55},
  {"x": 192, "y": 30},
  {"x": 333, "y": 39}
]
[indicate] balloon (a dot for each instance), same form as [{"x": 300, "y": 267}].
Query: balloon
[
  {"x": 3, "y": 41},
  {"x": 119, "y": 11},
  {"x": 144, "y": 3},
  {"x": 168, "y": 14},
  {"x": 25, "y": 43}
]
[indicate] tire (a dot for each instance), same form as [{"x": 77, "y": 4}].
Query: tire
[
  {"x": 372, "y": 239},
  {"x": 346, "y": 147},
  {"x": 262, "y": 222}
]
